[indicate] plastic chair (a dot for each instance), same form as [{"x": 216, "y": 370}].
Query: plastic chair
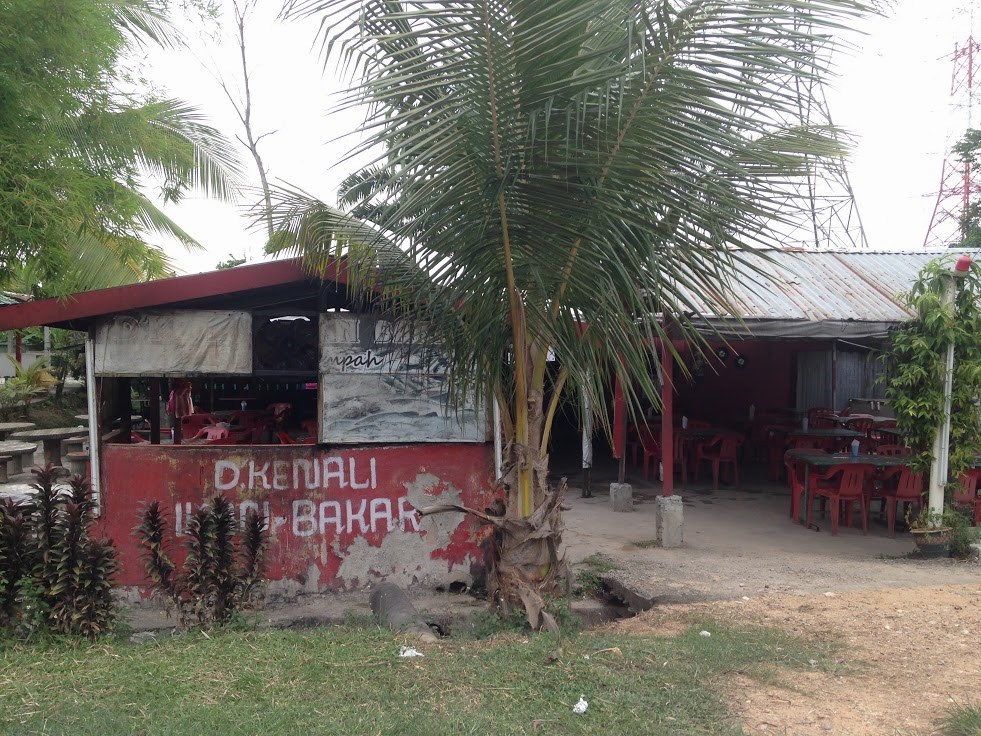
[
  {"x": 795, "y": 479},
  {"x": 841, "y": 484},
  {"x": 650, "y": 446},
  {"x": 191, "y": 424},
  {"x": 892, "y": 450},
  {"x": 908, "y": 490},
  {"x": 633, "y": 442},
  {"x": 280, "y": 413},
  {"x": 818, "y": 411},
  {"x": 211, "y": 433},
  {"x": 860, "y": 424},
  {"x": 718, "y": 451},
  {"x": 966, "y": 494}
]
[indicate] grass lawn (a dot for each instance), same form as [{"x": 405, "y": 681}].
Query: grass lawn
[{"x": 351, "y": 680}]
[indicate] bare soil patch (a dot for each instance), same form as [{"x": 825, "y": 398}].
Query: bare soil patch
[{"x": 908, "y": 655}]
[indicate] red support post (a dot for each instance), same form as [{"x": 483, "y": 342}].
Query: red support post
[{"x": 619, "y": 419}]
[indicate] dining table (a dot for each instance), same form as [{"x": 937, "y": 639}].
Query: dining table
[
  {"x": 50, "y": 439},
  {"x": 134, "y": 418},
  {"x": 20, "y": 453},
  {"x": 7, "y": 427},
  {"x": 823, "y": 460}
]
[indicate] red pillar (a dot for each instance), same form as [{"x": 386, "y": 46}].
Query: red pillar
[
  {"x": 619, "y": 419},
  {"x": 667, "y": 420}
]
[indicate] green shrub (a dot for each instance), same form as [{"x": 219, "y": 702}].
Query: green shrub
[
  {"x": 214, "y": 582},
  {"x": 54, "y": 577},
  {"x": 962, "y": 533}
]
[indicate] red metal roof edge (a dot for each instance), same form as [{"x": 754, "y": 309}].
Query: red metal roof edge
[{"x": 158, "y": 293}]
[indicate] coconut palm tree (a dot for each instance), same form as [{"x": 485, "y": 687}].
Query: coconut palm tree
[{"x": 555, "y": 179}]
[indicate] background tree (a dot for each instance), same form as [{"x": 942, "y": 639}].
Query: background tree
[
  {"x": 916, "y": 367},
  {"x": 558, "y": 179},
  {"x": 242, "y": 104},
  {"x": 967, "y": 150},
  {"x": 77, "y": 136}
]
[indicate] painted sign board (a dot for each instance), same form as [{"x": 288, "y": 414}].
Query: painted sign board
[
  {"x": 381, "y": 383},
  {"x": 339, "y": 519}
]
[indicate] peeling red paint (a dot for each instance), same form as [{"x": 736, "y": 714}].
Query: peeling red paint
[{"x": 322, "y": 503}]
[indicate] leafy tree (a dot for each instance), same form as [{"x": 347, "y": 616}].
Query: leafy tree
[
  {"x": 76, "y": 138},
  {"x": 917, "y": 365},
  {"x": 561, "y": 178},
  {"x": 967, "y": 150},
  {"x": 232, "y": 262}
]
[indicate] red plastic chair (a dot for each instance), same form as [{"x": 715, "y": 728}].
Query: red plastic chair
[
  {"x": 860, "y": 424},
  {"x": 211, "y": 433},
  {"x": 651, "y": 448},
  {"x": 633, "y": 442},
  {"x": 795, "y": 479},
  {"x": 191, "y": 424},
  {"x": 842, "y": 484},
  {"x": 819, "y": 417},
  {"x": 280, "y": 413},
  {"x": 718, "y": 451},
  {"x": 966, "y": 494},
  {"x": 892, "y": 450},
  {"x": 908, "y": 490}
]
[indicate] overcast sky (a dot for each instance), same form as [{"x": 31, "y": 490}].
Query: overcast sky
[{"x": 893, "y": 95}]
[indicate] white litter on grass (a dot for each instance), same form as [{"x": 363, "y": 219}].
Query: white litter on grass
[
  {"x": 705, "y": 633},
  {"x": 410, "y": 652},
  {"x": 581, "y": 706}
]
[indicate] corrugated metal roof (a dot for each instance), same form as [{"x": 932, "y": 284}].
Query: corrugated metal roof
[{"x": 825, "y": 285}]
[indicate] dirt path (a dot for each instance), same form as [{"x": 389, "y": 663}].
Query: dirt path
[
  {"x": 908, "y": 654},
  {"x": 910, "y": 629}
]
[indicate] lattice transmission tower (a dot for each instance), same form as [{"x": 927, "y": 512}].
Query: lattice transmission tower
[
  {"x": 959, "y": 185},
  {"x": 820, "y": 211}
]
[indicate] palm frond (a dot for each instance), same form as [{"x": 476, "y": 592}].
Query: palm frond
[{"x": 576, "y": 167}]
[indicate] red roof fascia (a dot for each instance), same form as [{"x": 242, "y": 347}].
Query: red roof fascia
[{"x": 158, "y": 293}]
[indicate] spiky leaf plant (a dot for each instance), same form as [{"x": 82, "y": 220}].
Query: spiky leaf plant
[
  {"x": 54, "y": 577},
  {"x": 214, "y": 582}
]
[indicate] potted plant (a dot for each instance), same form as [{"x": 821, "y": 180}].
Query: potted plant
[{"x": 931, "y": 531}]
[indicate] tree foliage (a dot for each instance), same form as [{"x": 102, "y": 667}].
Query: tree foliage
[
  {"x": 77, "y": 135},
  {"x": 916, "y": 366},
  {"x": 573, "y": 179}
]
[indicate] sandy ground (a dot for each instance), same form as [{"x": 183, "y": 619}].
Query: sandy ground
[
  {"x": 908, "y": 654},
  {"x": 910, "y": 629}
]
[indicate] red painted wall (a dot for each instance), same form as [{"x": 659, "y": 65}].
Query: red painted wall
[
  {"x": 340, "y": 518},
  {"x": 725, "y": 392}
]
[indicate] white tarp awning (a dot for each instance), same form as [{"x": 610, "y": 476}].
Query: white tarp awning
[{"x": 174, "y": 343}]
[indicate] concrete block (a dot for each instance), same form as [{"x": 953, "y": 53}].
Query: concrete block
[
  {"x": 636, "y": 591},
  {"x": 622, "y": 496},
  {"x": 669, "y": 521}
]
